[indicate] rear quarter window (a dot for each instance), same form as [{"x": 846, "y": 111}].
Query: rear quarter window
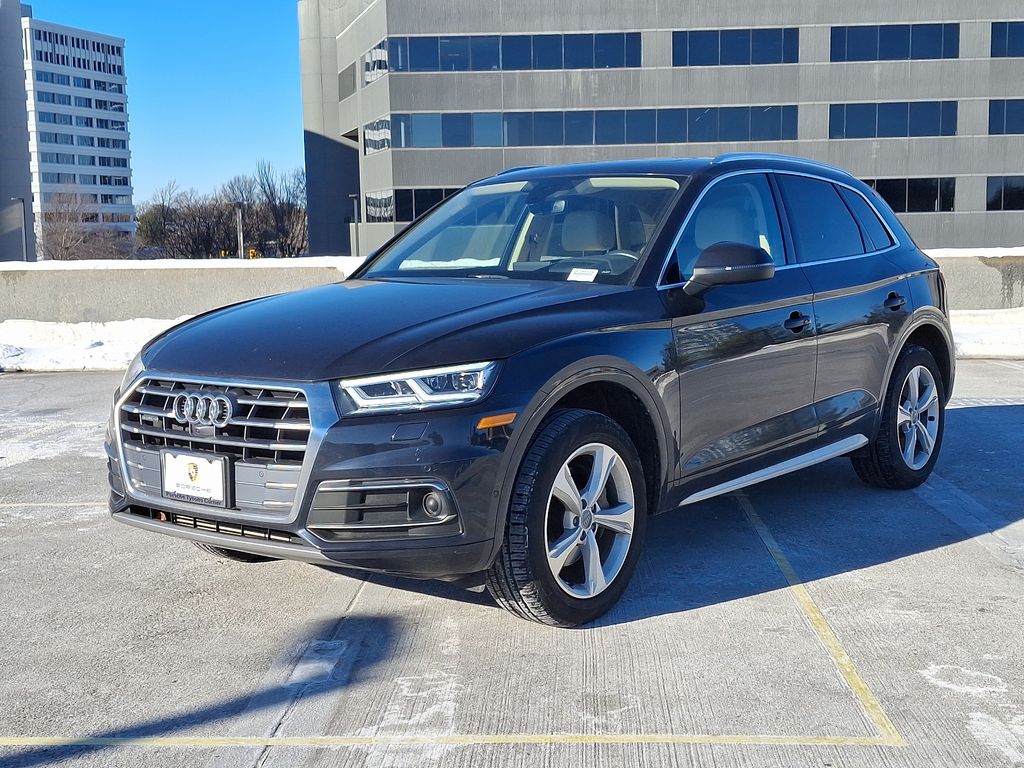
[
  {"x": 873, "y": 227},
  {"x": 823, "y": 227}
]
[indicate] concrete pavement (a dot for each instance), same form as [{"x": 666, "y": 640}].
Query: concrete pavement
[{"x": 806, "y": 621}]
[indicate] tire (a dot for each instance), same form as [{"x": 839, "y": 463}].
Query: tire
[
  {"x": 888, "y": 461},
  {"x": 233, "y": 554},
  {"x": 597, "y": 548}
]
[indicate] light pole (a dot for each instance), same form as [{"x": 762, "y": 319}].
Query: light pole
[
  {"x": 238, "y": 222},
  {"x": 24, "y": 228},
  {"x": 355, "y": 224}
]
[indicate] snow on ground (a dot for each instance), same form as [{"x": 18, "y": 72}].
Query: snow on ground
[
  {"x": 29, "y": 345},
  {"x": 988, "y": 332},
  {"x": 986, "y": 253}
]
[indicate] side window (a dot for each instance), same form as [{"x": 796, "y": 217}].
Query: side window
[
  {"x": 872, "y": 225},
  {"x": 823, "y": 227},
  {"x": 738, "y": 209}
]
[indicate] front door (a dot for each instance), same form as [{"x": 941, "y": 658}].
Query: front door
[{"x": 745, "y": 353}]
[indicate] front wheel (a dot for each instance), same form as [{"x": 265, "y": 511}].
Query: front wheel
[
  {"x": 575, "y": 524},
  {"x": 905, "y": 450}
]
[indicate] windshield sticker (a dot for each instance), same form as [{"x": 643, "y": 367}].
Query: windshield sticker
[{"x": 582, "y": 275}]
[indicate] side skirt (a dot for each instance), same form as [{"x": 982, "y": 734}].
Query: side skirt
[{"x": 826, "y": 452}]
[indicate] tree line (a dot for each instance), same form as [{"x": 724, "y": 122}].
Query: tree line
[{"x": 184, "y": 224}]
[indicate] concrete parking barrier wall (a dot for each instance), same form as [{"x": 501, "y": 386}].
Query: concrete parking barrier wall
[
  {"x": 101, "y": 291},
  {"x": 73, "y": 292}
]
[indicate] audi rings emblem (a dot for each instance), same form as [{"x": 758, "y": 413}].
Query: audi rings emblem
[{"x": 203, "y": 409}]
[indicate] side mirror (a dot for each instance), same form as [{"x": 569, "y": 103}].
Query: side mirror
[{"x": 726, "y": 263}]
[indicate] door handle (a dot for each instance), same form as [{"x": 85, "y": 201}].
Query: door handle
[
  {"x": 797, "y": 322},
  {"x": 894, "y": 302}
]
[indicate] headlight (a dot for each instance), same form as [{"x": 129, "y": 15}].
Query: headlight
[
  {"x": 134, "y": 369},
  {"x": 416, "y": 390}
]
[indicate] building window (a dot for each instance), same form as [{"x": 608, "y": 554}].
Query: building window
[
  {"x": 583, "y": 127},
  {"x": 892, "y": 119},
  {"x": 58, "y": 118},
  {"x": 83, "y": 122},
  {"x": 380, "y": 206},
  {"x": 88, "y": 160},
  {"x": 484, "y": 53},
  {"x": 918, "y": 195},
  {"x": 1007, "y": 38},
  {"x": 82, "y": 82},
  {"x": 86, "y": 178},
  {"x": 1005, "y": 193},
  {"x": 347, "y": 82},
  {"x": 713, "y": 47},
  {"x": 895, "y": 42},
  {"x": 1005, "y": 116}
]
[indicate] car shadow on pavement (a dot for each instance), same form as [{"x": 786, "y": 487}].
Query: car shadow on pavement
[
  {"x": 331, "y": 655},
  {"x": 824, "y": 518}
]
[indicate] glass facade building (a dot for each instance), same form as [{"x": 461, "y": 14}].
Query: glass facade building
[{"x": 924, "y": 103}]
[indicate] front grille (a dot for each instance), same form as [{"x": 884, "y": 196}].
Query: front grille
[
  {"x": 272, "y": 425},
  {"x": 264, "y": 441},
  {"x": 216, "y": 526}
]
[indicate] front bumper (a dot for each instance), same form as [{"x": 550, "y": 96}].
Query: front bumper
[{"x": 435, "y": 449}]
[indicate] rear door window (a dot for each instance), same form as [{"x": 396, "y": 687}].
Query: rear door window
[{"x": 823, "y": 227}]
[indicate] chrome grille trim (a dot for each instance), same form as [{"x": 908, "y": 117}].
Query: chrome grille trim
[{"x": 277, "y": 428}]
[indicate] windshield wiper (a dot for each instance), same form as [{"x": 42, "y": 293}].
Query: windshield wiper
[{"x": 488, "y": 275}]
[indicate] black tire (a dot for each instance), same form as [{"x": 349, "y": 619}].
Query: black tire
[
  {"x": 880, "y": 463},
  {"x": 520, "y": 579},
  {"x": 233, "y": 554}
]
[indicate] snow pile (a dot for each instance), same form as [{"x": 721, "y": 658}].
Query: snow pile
[
  {"x": 982, "y": 253},
  {"x": 31, "y": 345},
  {"x": 988, "y": 332}
]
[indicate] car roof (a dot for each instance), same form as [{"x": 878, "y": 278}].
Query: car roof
[{"x": 678, "y": 166}]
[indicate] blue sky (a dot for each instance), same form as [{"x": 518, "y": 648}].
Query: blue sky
[{"x": 213, "y": 87}]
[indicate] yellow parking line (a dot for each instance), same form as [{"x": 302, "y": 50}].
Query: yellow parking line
[
  {"x": 872, "y": 709},
  {"x": 449, "y": 740}
]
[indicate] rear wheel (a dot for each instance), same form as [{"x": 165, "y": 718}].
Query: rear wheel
[
  {"x": 576, "y": 522},
  {"x": 233, "y": 554},
  {"x": 905, "y": 450}
]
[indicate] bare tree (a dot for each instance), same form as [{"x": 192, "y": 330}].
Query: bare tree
[
  {"x": 284, "y": 195},
  {"x": 63, "y": 229},
  {"x": 156, "y": 217}
]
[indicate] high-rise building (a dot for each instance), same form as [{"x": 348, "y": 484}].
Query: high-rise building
[
  {"x": 77, "y": 126},
  {"x": 922, "y": 100}
]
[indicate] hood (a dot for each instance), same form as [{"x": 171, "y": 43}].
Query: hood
[{"x": 360, "y": 327}]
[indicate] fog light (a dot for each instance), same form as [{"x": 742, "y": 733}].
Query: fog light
[{"x": 434, "y": 506}]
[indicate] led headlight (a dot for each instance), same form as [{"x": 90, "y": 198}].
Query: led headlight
[{"x": 417, "y": 390}]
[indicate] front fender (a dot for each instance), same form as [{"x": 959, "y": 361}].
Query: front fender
[{"x": 635, "y": 360}]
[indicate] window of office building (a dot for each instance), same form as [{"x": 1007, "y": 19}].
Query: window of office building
[
  {"x": 484, "y": 53},
  {"x": 584, "y": 127},
  {"x": 1007, "y": 38},
  {"x": 1005, "y": 193},
  {"x": 714, "y": 47},
  {"x": 1005, "y": 116},
  {"x": 89, "y": 160},
  {"x": 403, "y": 205},
  {"x": 895, "y": 42},
  {"x": 892, "y": 119},
  {"x": 917, "y": 195}
]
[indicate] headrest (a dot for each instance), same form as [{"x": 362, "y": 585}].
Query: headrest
[{"x": 588, "y": 231}]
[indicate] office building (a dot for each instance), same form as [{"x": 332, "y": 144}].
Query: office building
[
  {"x": 77, "y": 119},
  {"x": 923, "y": 101},
  {"x": 16, "y": 239}
]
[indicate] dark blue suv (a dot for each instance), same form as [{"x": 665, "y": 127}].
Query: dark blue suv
[{"x": 509, "y": 387}]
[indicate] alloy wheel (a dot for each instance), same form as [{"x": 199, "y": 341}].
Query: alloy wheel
[
  {"x": 589, "y": 522},
  {"x": 917, "y": 417}
]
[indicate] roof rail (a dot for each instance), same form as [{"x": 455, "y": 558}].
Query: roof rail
[
  {"x": 516, "y": 168},
  {"x": 732, "y": 156}
]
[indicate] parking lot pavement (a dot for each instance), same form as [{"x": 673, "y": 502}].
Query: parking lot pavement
[{"x": 807, "y": 621}]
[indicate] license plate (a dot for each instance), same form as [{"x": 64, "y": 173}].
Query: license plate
[{"x": 194, "y": 477}]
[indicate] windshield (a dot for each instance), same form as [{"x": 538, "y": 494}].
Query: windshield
[{"x": 583, "y": 228}]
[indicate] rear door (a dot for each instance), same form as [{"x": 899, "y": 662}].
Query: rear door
[
  {"x": 861, "y": 298},
  {"x": 744, "y": 353}
]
